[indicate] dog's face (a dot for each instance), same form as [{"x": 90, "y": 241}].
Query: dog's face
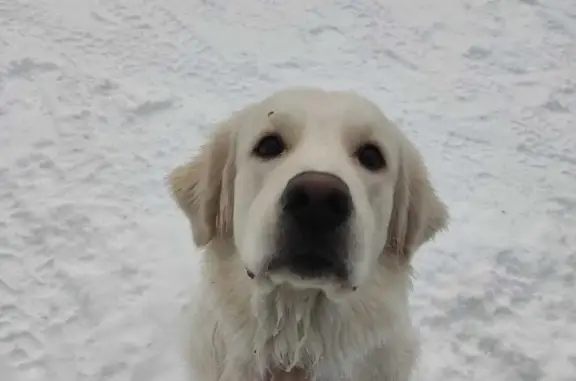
[{"x": 313, "y": 188}]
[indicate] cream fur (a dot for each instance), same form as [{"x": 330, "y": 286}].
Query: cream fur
[{"x": 244, "y": 329}]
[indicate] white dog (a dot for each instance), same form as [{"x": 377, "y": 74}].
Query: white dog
[{"x": 310, "y": 205}]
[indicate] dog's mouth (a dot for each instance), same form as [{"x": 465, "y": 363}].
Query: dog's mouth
[
  {"x": 306, "y": 270},
  {"x": 309, "y": 265}
]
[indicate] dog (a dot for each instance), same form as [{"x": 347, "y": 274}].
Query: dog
[{"x": 309, "y": 205}]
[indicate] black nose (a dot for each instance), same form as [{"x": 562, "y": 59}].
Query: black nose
[{"x": 317, "y": 200}]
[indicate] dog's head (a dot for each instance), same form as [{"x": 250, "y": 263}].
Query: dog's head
[{"x": 313, "y": 188}]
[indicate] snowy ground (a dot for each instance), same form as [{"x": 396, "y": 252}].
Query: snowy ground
[{"x": 100, "y": 99}]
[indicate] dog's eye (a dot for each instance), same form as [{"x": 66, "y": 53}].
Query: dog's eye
[
  {"x": 370, "y": 157},
  {"x": 269, "y": 147}
]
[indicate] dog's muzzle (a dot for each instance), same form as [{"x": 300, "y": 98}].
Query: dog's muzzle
[{"x": 313, "y": 229}]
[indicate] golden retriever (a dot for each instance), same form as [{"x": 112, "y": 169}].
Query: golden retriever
[{"x": 309, "y": 205}]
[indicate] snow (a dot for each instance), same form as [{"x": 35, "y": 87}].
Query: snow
[{"x": 100, "y": 99}]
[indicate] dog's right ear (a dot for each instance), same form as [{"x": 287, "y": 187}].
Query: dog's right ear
[{"x": 203, "y": 188}]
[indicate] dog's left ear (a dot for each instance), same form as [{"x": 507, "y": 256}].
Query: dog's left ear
[
  {"x": 204, "y": 187},
  {"x": 418, "y": 213}
]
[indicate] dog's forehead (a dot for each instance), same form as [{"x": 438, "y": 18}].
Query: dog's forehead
[{"x": 314, "y": 105}]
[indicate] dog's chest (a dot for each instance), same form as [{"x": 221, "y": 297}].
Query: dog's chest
[{"x": 298, "y": 332}]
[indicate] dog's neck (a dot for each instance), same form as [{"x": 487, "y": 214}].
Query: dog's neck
[
  {"x": 286, "y": 324},
  {"x": 304, "y": 329}
]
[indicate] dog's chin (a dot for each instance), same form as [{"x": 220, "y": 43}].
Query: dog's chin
[{"x": 334, "y": 289}]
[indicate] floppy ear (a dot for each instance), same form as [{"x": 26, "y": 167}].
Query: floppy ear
[
  {"x": 418, "y": 214},
  {"x": 203, "y": 188}
]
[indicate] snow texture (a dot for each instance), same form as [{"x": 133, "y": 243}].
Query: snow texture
[{"x": 99, "y": 99}]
